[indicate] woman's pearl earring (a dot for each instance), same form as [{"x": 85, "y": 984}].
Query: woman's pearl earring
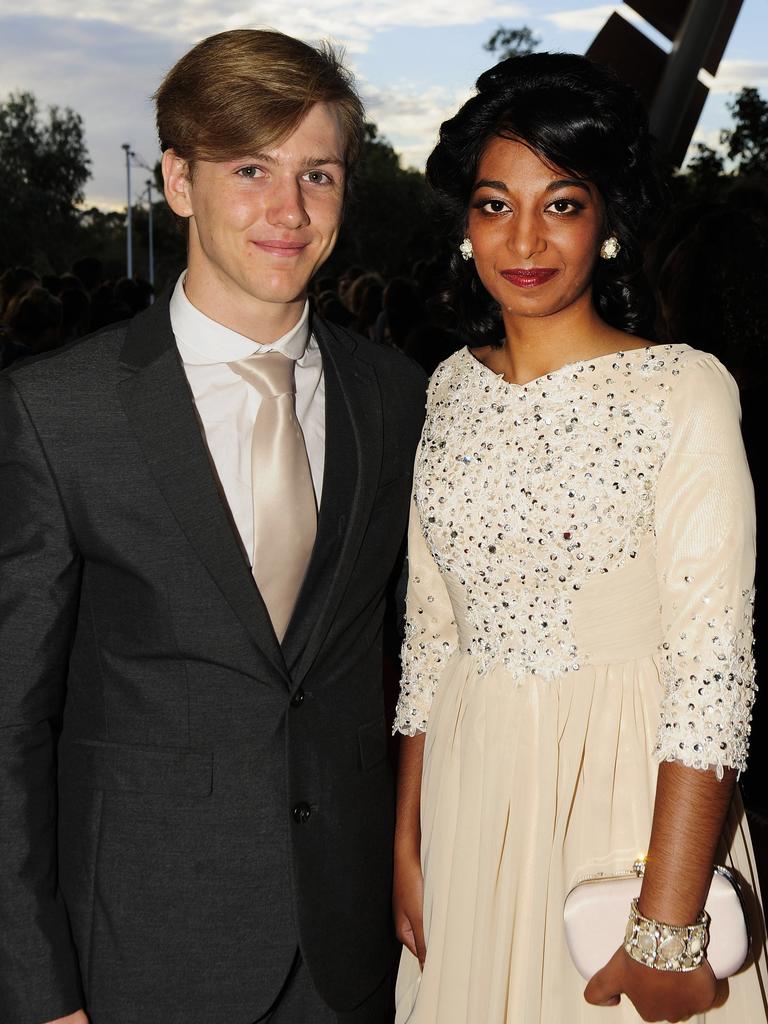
[
  {"x": 466, "y": 250},
  {"x": 610, "y": 248}
]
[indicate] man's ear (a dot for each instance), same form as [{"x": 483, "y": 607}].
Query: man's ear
[{"x": 177, "y": 183}]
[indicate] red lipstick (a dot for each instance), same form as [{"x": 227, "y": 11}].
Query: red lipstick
[{"x": 529, "y": 277}]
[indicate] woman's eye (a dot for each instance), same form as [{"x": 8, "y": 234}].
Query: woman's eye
[
  {"x": 566, "y": 206},
  {"x": 494, "y": 206}
]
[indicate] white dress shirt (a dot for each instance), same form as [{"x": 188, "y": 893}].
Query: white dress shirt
[{"x": 227, "y": 405}]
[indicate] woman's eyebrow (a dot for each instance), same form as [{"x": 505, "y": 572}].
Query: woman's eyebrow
[
  {"x": 553, "y": 186},
  {"x": 488, "y": 183}
]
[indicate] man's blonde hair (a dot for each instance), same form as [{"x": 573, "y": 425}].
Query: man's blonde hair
[{"x": 243, "y": 92}]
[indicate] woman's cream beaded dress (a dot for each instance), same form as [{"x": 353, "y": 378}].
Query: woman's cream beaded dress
[{"x": 579, "y": 608}]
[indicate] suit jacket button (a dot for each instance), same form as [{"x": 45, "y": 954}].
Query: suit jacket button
[
  {"x": 301, "y": 813},
  {"x": 298, "y": 698}
]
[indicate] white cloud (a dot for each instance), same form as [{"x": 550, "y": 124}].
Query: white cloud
[
  {"x": 410, "y": 116},
  {"x": 708, "y": 137},
  {"x": 354, "y": 22},
  {"x": 589, "y": 19},
  {"x": 105, "y": 203},
  {"x": 733, "y": 75},
  {"x": 104, "y": 72}
]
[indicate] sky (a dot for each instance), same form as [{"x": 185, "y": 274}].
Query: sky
[{"x": 415, "y": 60}]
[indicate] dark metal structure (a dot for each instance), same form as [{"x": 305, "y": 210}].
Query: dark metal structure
[{"x": 669, "y": 82}]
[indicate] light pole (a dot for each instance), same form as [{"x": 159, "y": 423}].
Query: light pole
[
  {"x": 151, "y": 235},
  {"x": 128, "y": 223}
]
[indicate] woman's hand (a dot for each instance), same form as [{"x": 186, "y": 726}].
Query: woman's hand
[
  {"x": 688, "y": 817},
  {"x": 656, "y": 995},
  {"x": 408, "y": 904}
]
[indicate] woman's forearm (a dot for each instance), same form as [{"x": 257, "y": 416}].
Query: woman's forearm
[
  {"x": 408, "y": 826},
  {"x": 689, "y": 813}
]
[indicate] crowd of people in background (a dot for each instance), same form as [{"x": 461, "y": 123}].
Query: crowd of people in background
[
  {"x": 42, "y": 312},
  {"x": 408, "y": 313}
]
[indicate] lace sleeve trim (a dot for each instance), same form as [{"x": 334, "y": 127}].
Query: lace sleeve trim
[{"x": 706, "y": 714}]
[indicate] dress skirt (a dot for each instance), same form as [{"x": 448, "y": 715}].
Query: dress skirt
[{"x": 529, "y": 784}]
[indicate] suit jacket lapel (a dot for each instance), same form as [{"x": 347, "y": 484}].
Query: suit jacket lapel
[
  {"x": 157, "y": 401},
  {"x": 353, "y": 459}
]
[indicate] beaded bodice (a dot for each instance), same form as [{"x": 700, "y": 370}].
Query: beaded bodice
[
  {"x": 526, "y": 491},
  {"x": 529, "y": 496}
]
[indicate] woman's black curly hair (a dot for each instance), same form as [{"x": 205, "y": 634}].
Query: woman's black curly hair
[{"x": 579, "y": 117}]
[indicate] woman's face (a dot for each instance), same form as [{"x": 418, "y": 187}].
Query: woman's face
[{"x": 535, "y": 231}]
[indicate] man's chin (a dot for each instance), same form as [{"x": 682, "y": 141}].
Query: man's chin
[
  {"x": 281, "y": 290},
  {"x": 280, "y": 296}
]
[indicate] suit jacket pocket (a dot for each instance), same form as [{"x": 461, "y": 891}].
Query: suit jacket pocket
[{"x": 118, "y": 766}]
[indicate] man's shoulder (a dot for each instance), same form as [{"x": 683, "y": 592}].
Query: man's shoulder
[
  {"x": 81, "y": 359},
  {"x": 96, "y": 359}
]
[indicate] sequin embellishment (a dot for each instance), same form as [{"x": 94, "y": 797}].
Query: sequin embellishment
[{"x": 525, "y": 495}]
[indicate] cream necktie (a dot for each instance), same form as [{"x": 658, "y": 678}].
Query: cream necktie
[{"x": 284, "y": 507}]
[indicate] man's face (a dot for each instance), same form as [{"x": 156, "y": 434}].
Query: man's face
[{"x": 259, "y": 227}]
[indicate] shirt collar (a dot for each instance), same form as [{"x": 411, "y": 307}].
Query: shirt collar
[{"x": 202, "y": 341}]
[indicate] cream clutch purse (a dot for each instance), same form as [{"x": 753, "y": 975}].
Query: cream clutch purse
[{"x": 597, "y": 908}]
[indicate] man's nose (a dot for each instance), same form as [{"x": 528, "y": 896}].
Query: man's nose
[{"x": 286, "y": 206}]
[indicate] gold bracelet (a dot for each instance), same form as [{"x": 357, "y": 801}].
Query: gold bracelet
[{"x": 666, "y": 947}]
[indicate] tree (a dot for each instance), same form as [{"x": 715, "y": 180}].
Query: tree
[
  {"x": 512, "y": 42},
  {"x": 747, "y": 141},
  {"x": 706, "y": 177},
  {"x": 389, "y": 218},
  {"x": 45, "y": 167},
  {"x": 705, "y": 171}
]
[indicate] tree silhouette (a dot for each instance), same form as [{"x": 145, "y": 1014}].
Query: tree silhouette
[
  {"x": 704, "y": 172},
  {"x": 45, "y": 167},
  {"x": 706, "y": 175},
  {"x": 512, "y": 42},
  {"x": 747, "y": 141}
]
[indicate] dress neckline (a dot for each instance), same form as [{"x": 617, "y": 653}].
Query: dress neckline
[{"x": 576, "y": 367}]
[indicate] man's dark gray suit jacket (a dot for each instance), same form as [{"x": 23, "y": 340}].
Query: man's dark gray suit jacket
[{"x": 221, "y": 800}]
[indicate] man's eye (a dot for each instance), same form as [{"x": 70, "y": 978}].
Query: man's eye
[
  {"x": 318, "y": 177},
  {"x": 251, "y": 171}
]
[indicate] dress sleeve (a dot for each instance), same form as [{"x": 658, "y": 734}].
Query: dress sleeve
[
  {"x": 430, "y": 633},
  {"x": 705, "y": 548}
]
